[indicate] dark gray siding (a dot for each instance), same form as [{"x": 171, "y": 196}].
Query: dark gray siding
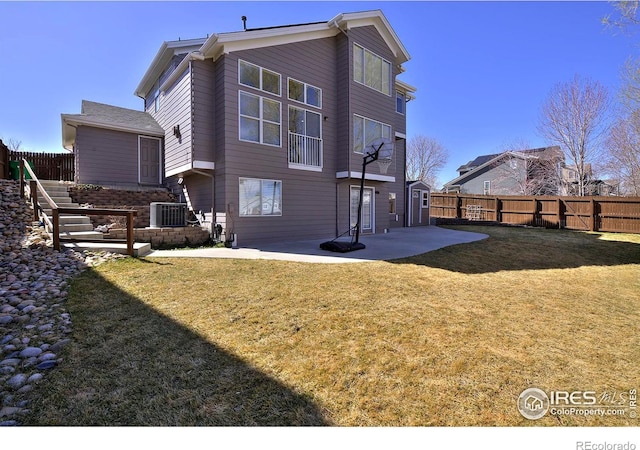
[
  {"x": 199, "y": 191},
  {"x": 308, "y": 198},
  {"x": 203, "y": 104},
  {"x": 399, "y": 187},
  {"x": 368, "y": 102},
  {"x": 175, "y": 109},
  {"x": 106, "y": 157}
]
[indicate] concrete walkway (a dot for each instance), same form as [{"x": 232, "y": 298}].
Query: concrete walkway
[{"x": 398, "y": 243}]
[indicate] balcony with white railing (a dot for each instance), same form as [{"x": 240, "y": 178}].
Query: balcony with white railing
[{"x": 305, "y": 152}]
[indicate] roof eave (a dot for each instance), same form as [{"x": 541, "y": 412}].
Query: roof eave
[
  {"x": 162, "y": 58},
  {"x": 376, "y": 18},
  {"x": 71, "y": 121}
]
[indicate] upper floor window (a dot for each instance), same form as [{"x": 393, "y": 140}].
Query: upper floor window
[
  {"x": 371, "y": 70},
  {"x": 258, "y": 77},
  {"x": 401, "y": 102},
  {"x": 365, "y": 131},
  {"x": 260, "y": 119},
  {"x": 305, "y": 138},
  {"x": 305, "y": 93}
]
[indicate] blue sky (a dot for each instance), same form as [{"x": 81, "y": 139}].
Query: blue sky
[{"x": 482, "y": 69}]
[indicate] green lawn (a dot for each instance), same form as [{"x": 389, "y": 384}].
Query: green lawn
[{"x": 448, "y": 338}]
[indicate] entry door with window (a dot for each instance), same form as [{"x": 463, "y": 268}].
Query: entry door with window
[
  {"x": 367, "y": 220},
  {"x": 149, "y": 160}
]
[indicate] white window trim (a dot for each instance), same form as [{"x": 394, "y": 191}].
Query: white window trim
[
  {"x": 260, "y": 119},
  {"x": 260, "y": 180},
  {"x": 393, "y": 197},
  {"x": 486, "y": 190},
  {"x": 364, "y": 71},
  {"x": 423, "y": 198},
  {"x": 305, "y": 93},
  {"x": 365, "y": 127},
  {"x": 279, "y": 94},
  {"x": 304, "y": 166},
  {"x": 404, "y": 103},
  {"x": 353, "y": 187}
]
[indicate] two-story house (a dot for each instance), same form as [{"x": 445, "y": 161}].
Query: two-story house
[
  {"x": 524, "y": 172},
  {"x": 265, "y": 129}
]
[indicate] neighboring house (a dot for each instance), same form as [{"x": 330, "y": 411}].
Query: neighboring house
[
  {"x": 114, "y": 146},
  {"x": 570, "y": 183},
  {"x": 264, "y": 130},
  {"x": 524, "y": 172}
]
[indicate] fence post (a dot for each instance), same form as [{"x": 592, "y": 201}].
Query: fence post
[
  {"x": 592, "y": 221},
  {"x": 33, "y": 187},
  {"x": 56, "y": 228},
  {"x": 458, "y": 207},
  {"x": 130, "y": 233},
  {"x": 559, "y": 212},
  {"x": 21, "y": 178},
  {"x": 534, "y": 217},
  {"x": 498, "y": 210}
]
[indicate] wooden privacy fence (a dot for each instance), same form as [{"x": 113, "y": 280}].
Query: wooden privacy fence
[
  {"x": 48, "y": 166},
  {"x": 4, "y": 161},
  {"x": 614, "y": 214}
]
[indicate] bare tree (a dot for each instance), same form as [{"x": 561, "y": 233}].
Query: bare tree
[
  {"x": 625, "y": 16},
  {"x": 623, "y": 157},
  {"x": 574, "y": 116},
  {"x": 13, "y": 144},
  {"x": 425, "y": 157}
]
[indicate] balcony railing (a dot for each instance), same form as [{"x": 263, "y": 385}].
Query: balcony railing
[{"x": 305, "y": 151}]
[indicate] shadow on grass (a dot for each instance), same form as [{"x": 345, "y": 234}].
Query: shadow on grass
[
  {"x": 512, "y": 248},
  {"x": 129, "y": 365}
]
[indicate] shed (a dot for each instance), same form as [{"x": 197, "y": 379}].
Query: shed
[{"x": 418, "y": 203}]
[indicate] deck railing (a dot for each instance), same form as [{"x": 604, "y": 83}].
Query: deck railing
[
  {"x": 54, "y": 221},
  {"x": 305, "y": 150}
]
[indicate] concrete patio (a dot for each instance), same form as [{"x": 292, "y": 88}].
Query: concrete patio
[{"x": 398, "y": 243}]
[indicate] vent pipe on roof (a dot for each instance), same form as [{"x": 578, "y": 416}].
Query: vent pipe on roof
[{"x": 244, "y": 22}]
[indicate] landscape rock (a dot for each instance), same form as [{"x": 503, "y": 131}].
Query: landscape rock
[{"x": 34, "y": 323}]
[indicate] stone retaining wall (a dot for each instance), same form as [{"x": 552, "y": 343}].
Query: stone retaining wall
[{"x": 164, "y": 237}]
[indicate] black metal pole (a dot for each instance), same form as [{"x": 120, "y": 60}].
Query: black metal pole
[
  {"x": 373, "y": 156},
  {"x": 364, "y": 165}
]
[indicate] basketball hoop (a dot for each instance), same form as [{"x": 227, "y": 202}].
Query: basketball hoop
[
  {"x": 382, "y": 153},
  {"x": 383, "y": 165}
]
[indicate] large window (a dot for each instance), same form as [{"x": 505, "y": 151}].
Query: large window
[
  {"x": 365, "y": 131},
  {"x": 260, "y": 119},
  {"x": 258, "y": 77},
  {"x": 260, "y": 197},
  {"x": 305, "y": 93},
  {"x": 305, "y": 137},
  {"x": 371, "y": 70}
]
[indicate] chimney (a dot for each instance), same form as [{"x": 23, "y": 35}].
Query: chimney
[{"x": 244, "y": 22}]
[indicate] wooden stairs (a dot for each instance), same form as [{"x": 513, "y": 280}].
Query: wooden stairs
[{"x": 76, "y": 231}]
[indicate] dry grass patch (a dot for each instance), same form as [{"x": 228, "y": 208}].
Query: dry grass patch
[{"x": 447, "y": 338}]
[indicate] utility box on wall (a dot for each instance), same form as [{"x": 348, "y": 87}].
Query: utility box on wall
[{"x": 168, "y": 215}]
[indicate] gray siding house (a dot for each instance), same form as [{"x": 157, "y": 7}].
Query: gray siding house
[
  {"x": 264, "y": 129},
  {"x": 525, "y": 172},
  {"x": 114, "y": 146}
]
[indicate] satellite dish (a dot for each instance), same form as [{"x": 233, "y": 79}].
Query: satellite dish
[{"x": 381, "y": 148}]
